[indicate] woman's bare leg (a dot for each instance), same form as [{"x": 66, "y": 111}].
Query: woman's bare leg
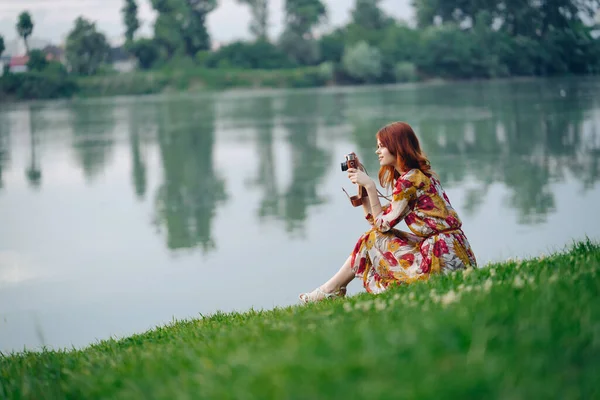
[
  {"x": 341, "y": 278},
  {"x": 338, "y": 281}
]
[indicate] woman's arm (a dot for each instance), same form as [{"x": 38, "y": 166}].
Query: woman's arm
[
  {"x": 373, "y": 199},
  {"x": 403, "y": 194},
  {"x": 366, "y": 204},
  {"x": 385, "y": 219}
]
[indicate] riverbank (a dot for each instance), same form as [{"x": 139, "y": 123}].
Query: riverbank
[
  {"x": 518, "y": 329},
  {"x": 198, "y": 79},
  {"x": 33, "y": 85}
]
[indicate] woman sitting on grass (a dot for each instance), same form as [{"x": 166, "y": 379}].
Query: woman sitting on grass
[{"x": 385, "y": 256}]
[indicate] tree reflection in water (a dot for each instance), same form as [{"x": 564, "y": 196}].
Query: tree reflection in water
[
  {"x": 138, "y": 126},
  {"x": 527, "y": 143},
  {"x": 93, "y": 137},
  {"x": 185, "y": 202},
  {"x": 4, "y": 144},
  {"x": 309, "y": 162},
  {"x": 34, "y": 171},
  {"x": 261, "y": 111}
]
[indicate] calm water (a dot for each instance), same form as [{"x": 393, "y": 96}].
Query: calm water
[{"x": 118, "y": 215}]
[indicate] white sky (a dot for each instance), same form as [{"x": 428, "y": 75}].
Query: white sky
[{"x": 53, "y": 19}]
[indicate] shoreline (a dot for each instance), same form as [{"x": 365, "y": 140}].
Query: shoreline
[{"x": 112, "y": 86}]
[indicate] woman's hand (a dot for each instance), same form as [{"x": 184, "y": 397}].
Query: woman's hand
[{"x": 359, "y": 177}]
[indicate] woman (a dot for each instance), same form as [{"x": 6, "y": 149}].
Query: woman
[{"x": 386, "y": 256}]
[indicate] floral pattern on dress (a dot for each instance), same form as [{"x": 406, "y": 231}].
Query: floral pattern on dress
[{"x": 386, "y": 256}]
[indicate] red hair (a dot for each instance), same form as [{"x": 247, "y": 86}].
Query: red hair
[{"x": 401, "y": 141}]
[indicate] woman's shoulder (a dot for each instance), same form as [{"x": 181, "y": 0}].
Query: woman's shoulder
[
  {"x": 411, "y": 180},
  {"x": 416, "y": 177}
]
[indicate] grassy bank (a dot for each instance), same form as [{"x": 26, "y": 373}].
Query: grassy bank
[
  {"x": 515, "y": 330},
  {"x": 178, "y": 80}
]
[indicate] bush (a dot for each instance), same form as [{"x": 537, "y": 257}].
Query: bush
[
  {"x": 326, "y": 71},
  {"x": 37, "y": 85},
  {"x": 248, "y": 55},
  {"x": 405, "y": 72},
  {"x": 202, "y": 58},
  {"x": 362, "y": 62}
]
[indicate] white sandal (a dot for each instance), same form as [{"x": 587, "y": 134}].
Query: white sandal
[{"x": 305, "y": 297}]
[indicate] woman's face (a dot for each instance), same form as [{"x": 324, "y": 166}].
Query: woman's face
[{"x": 385, "y": 157}]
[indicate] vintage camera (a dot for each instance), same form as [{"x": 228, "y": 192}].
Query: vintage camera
[{"x": 351, "y": 162}]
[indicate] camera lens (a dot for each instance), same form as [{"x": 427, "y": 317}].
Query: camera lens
[{"x": 344, "y": 166}]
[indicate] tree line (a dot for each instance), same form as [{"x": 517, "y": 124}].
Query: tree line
[{"x": 452, "y": 39}]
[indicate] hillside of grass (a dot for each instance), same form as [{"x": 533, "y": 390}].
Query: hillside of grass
[{"x": 515, "y": 330}]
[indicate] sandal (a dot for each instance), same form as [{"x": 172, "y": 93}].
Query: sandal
[{"x": 306, "y": 297}]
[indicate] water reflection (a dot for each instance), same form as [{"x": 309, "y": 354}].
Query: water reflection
[
  {"x": 93, "y": 136},
  {"x": 4, "y": 145},
  {"x": 185, "y": 202},
  {"x": 138, "y": 158},
  {"x": 309, "y": 161},
  {"x": 34, "y": 172},
  {"x": 526, "y": 144},
  {"x": 262, "y": 111}
]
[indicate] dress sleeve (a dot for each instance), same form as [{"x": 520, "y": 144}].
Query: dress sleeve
[
  {"x": 369, "y": 216},
  {"x": 404, "y": 193}
]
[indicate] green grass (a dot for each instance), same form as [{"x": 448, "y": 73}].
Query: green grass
[
  {"x": 516, "y": 330},
  {"x": 195, "y": 79}
]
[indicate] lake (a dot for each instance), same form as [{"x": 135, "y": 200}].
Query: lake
[{"x": 121, "y": 214}]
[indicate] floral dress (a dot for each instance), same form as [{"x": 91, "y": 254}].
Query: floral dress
[{"x": 386, "y": 256}]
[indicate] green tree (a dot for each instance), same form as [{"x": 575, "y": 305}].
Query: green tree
[
  {"x": 297, "y": 40},
  {"x": 25, "y": 27},
  {"x": 369, "y": 15},
  {"x": 167, "y": 30},
  {"x": 146, "y": 51},
  {"x": 256, "y": 55},
  {"x": 196, "y": 34},
  {"x": 86, "y": 48},
  {"x": 304, "y": 15},
  {"x": 447, "y": 51},
  {"x": 425, "y": 12},
  {"x": 362, "y": 62},
  {"x": 332, "y": 45},
  {"x": 458, "y": 11},
  {"x": 2, "y": 48},
  {"x": 259, "y": 24},
  {"x": 180, "y": 27},
  {"x": 130, "y": 18},
  {"x": 37, "y": 60}
]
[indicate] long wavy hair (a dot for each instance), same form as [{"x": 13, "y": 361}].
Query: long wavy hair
[{"x": 401, "y": 141}]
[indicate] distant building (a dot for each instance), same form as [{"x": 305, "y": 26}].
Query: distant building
[
  {"x": 121, "y": 61},
  {"x": 18, "y": 64}
]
